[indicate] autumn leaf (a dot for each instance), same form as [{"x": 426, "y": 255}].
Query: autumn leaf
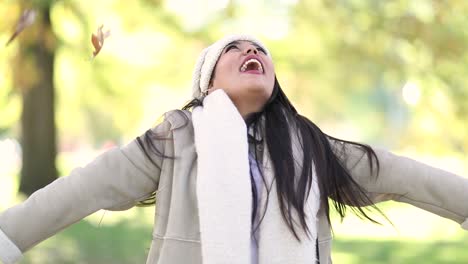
[
  {"x": 98, "y": 40},
  {"x": 27, "y": 19}
]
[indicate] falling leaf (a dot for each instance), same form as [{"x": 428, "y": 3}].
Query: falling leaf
[
  {"x": 98, "y": 40},
  {"x": 27, "y": 19}
]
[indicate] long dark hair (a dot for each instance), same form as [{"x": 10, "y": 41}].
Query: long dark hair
[{"x": 334, "y": 179}]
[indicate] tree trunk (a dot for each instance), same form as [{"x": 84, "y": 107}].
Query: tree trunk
[{"x": 35, "y": 80}]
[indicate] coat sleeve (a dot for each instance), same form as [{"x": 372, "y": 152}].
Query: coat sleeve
[
  {"x": 405, "y": 180},
  {"x": 117, "y": 179}
]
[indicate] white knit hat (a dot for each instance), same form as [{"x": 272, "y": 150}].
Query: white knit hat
[{"x": 208, "y": 58}]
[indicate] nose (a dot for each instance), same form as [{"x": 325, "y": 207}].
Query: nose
[{"x": 250, "y": 49}]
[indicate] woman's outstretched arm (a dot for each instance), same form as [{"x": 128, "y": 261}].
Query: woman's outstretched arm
[
  {"x": 115, "y": 180},
  {"x": 405, "y": 180}
]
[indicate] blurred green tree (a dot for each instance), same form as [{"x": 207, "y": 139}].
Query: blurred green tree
[
  {"x": 395, "y": 69},
  {"x": 345, "y": 64}
]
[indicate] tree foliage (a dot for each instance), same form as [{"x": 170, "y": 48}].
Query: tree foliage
[{"x": 389, "y": 73}]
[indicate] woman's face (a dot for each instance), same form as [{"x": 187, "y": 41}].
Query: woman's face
[{"x": 245, "y": 73}]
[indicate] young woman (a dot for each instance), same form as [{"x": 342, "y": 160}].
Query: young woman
[{"x": 238, "y": 176}]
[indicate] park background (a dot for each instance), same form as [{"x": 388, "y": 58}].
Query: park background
[{"x": 392, "y": 74}]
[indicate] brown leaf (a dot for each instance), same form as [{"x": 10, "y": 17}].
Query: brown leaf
[
  {"x": 27, "y": 19},
  {"x": 98, "y": 40}
]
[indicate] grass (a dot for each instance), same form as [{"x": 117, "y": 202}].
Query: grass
[
  {"x": 354, "y": 251},
  {"x": 121, "y": 238},
  {"x": 413, "y": 236}
]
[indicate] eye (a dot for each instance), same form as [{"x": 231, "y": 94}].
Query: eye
[
  {"x": 230, "y": 47},
  {"x": 262, "y": 50}
]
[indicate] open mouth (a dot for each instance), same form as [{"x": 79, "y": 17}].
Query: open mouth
[{"x": 252, "y": 65}]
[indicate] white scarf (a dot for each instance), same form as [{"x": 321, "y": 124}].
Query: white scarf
[{"x": 225, "y": 196}]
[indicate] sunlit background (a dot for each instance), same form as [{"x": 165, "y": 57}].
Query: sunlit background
[{"x": 392, "y": 74}]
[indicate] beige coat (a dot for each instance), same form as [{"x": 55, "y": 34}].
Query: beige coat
[{"x": 121, "y": 177}]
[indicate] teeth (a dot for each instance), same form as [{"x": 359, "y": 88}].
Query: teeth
[{"x": 259, "y": 65}]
